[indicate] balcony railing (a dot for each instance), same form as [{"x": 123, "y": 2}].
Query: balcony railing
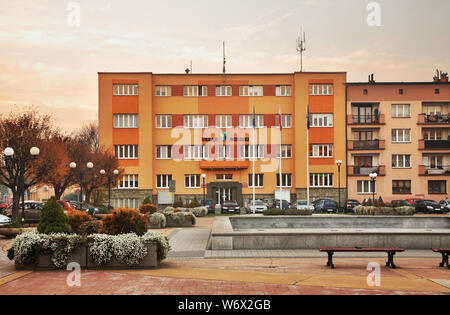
[
  {"x": 366, "y": 119},
  {"x": 434, "y": 145},
  {"x": 366, "y": 171},
  {"x": 443, "y": 170},
  {"x": 366, "y": 145},
  {"x": 434, "y": 119}
]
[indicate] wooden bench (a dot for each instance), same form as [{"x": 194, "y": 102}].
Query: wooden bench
[
  {"x": 391, "y": 251},
  {"x": 445, "y": 252}
]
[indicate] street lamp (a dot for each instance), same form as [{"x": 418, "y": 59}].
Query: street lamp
[
  {"x": 339, "y": 164},
  {"x": 115, "y": 173},
  {"x": 34, "y": 153},
  {"x": 373, "y": 177},
  {"x": 204, "y": 187},
  {"x": 89, "y": 166}
]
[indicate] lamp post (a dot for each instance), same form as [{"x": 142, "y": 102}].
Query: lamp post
[
  {"x": 373, "y": 177},
  {"x": 115, "y": 173},
  {"x": 204, "y": 187},
  {"x": 339, "y": 164},
  {"x": 89, "y": 166},
  {"x": 34, "y": 152}
]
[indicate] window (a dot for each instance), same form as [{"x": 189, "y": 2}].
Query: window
[
  {"x": 223, "y": 90},
  {"x": 366, "y": 187},
  {"x": 432, "y": 135},
  {"x": 126, "y": 152},
  {"x": 321, "y": 150},
  {"x": 163, "y": 91},
  {"x": 283, "y": 90},
  {"x": 246, "y": 121},
  {"x": 434, "y": 161},
  {"x": 365, "y": 92},
  {"x": 436, "y": 91},
  {"x": 321, "y": 180},
  {"x": 401, "y": 187},
  {"x": 163, "y": 121},
  {"x": 195, "y": 152},
  {"x": 224, "y": 121},
  {"x": 224, "y": 177},
  {"x": 163, "y": 152},
  {"x": 249, "y": 90},
  {"x": 191, "y": 181},
  {"x": 401, "y": 110},
  {"x": 129, "y": 182},
  {"x": 195, "y": 90},
  {"x": 195, "y": 121},
  {"x": 400, "y": 91},
  {"x": 286, "y": 180},
  {"x": 259, "y": 180},
  {"x": 286, "y": 151},
  {"x": 320, "y": 89},
  {"x": 126, "y": 202},
  {"x": 125, "y": 89},
  {"x": 125, "y": 121},
  {"x": 162, "y": 181},
  {"x": 321, "y": 120},
  {"x": 432, "y": 109},
  {"x": 437, "y": 187},
  {"x": 223, "y": 152},
  {"x": 251, "y": 151},
  {"x": 362, "y": 135},
  {"x": 401, "y": 161},
  {"x": 286, "y": 121},
  {"x": 401, "y": 135}
]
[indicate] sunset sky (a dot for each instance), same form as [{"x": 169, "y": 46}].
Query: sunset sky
[{"x": 46, "y": 63}]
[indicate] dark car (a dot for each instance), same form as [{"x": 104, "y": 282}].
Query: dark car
[
  {"x": 285, "y": 204},
  {"x": 401, "y": 203},
  {"x": 231, "y": 207},
  {"x": 428, "y": 206},
  {"x": 32, "y": 211},
  {"x": 326, "y": 206},
  {"x": 350, "y": 205},
  {"x": 91, "y": 210},
  {"x": 209, "y": 204},
  {"x": 413, "y": 201},
  {"x": 446, "y": 205}
]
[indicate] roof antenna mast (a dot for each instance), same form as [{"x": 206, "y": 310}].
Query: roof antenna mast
[
  {"x": 224, "y": 59},
  {"x": 301, "y": 47}
]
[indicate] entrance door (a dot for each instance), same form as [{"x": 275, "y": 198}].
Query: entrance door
[{"x": 224, "y": 194}]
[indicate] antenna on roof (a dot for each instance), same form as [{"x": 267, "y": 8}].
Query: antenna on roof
[
  {"x": 301, "y": 47},
  {"x": 224, "y": 59}
]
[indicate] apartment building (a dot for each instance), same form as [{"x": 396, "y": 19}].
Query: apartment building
[
  {"x": 401, "y": 131},
  {"x": 186, "y": 129}
]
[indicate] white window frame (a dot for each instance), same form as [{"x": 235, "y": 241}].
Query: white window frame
[
  {"x": 283, "y": 90},
  {"x": 125, "y": 121},
  {"x": 125, "y": 89},
  {"x": 285, "y": 149},
  {"x": 163, "y": 121},
  {"x": 401, "y": 110},
  {"x": 321, "y": 180},
  {"x": 195, "y": 121},
  {"x": 161, "y": 178},
  {"x": 246, "y": 121},
  {"x": 163, "y": 152},
  {"x": 403, "y": 133},
  {"x": 195, "y": 91},
  {"x": 224, "y": 121},
  {"x": 259, "y": 180},
  {"x": 129, "y": 182},
  {"x": 366, "y": 186},
  {"x": 246, "y": 151},
  {"x": 286, "y": 180},
  {"x": 195, "y": 152},
  {"x": 126, "y": 152},
  {"x": 321, "y": 89},
  {"x": 163, "y": 90},
  {"x": 194, "y": 181},
  {"x": 399, "y": 161},
  {"x": 223, "y": 177},
  {"x": 286, "y": 121},
  {"x": 223, "y": 152},
  {"x": 315, "y": 152},
  {"x": 321, "y": 120},
  {"x": 224, "y": 90},
  {"x": 251, "y": 90},
  {"x": 131, "y": 203}
]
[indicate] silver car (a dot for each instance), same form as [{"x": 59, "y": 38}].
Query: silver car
[
  {"x": 258, "y": 207},
  {"x": 303, "y": 205},
  {"x": 4, "y": 220}
]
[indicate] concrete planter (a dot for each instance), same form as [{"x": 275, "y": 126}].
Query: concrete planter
[
  {"x": 44, "y": 262},
  {"x": 11, "y": 232},
  {"x": 179, "y": 222}
]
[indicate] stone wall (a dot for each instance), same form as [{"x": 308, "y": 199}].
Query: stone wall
[
  {"x": 139, "y": 194},
  {"x": 317, "y": 193}
]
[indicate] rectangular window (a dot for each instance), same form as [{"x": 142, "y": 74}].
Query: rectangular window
[
  {"x": 224, "y": 177},
  {"x": 432, "y": 135},
  {"x": 283, "y": 90},
  {"x": 192, "y": 181},
  {"x": 125, "y": 203},
  {"x": 246, "y": 121},
  {"x": 125, "y": 89},
  {"x": 321, "y": 120},
  {"x": 195, "y": 152},
  {"x": 437, "y": 187},
  {"x": 162, "y": 181},
  {"x": 366, "y": 187},
  {"x": 125, "y": 121},
  {"x": 195, "y": 90},
  {"x": 321, "y": 150},
  {"x": 250, "y": 90},
  {"x": 223, "y": 90},
  {"x": 223, "y": 152},
  {"x": 224, "y": 121},
  {"x": 195, "y": 121},
  {"x": 129, "y": 182},
  {"x": 321, "y": 180},
  {"x": 321, "y": 89},
  {"x": 434, "y": 161},
  {"x": 286, "y": 121},
  {"x": 251, "y": 151},
  {"x": 401, "y": 187},
  {"x": 163, "y": 121},
  {"x": 286, "y": 180},
  {"x": 126, "y": 152},
  {"x": 163, "y": 152},
  {"x": 259, "y": 180},
  {"x": 163, "y": 90},
  {"x": 401, "y": 135},
  {"x": 401, "y": 161},
  {"x": 286, "y": 151},
  {"x": 401, "y": 110}
]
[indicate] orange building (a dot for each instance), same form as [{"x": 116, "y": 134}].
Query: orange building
[
  {"x": 401, "y": 131},
  {"x": 188, "y": 128}
]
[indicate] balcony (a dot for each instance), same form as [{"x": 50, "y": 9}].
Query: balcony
[
  {"x": 365, "y": 171},
  {"x": 439, "y": 145},
  {"x": 425, "y": 170},
  {"x": 225, "y": 165},
  {"x": 366, "y": 145},
  {"x": 438, "y": 120},
  {"x": 366, "y": 120}
]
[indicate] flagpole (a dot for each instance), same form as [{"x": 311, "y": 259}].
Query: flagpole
[
  {"x": 281, "y": 172},
  {"x": 307, "y": 157},
  {"x": 254, "y": 158}
]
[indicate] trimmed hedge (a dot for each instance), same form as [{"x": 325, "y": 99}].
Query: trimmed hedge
[
  {"x": 274, "y": 212},
  {"x": 123, "y": 221},
  {"x": 387, "y": 211},
  {"x": 76, "y": 218},
  {"x": 157, "y": 220}
]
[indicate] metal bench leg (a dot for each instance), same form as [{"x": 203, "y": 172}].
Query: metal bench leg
[
  {"x": 442, "y": 264},
  {"x": 330, "y": 260},
  {"x": 390, "y": 261}
]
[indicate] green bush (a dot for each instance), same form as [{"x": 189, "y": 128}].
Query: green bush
[
  {"x": 297, "y": 212},
  {"x": 274, "y": 212},
  {"x": 178, "y": 204},
  {"x": 53, "y": 220},
  {"x": 198, "y": 212},
  {"x": 157, "y": 220},
  {"x": 104, "y": 209},
  {"x": 181, "y": 216},
  {"x": 147, "y": 201}
]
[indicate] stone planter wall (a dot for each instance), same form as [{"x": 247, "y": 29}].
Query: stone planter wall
[
  {"x": 186, "y": 222},
  {"x": 44, "y": 262}
]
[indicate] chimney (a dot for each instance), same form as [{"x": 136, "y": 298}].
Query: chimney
[{"x": 371, "y": 78}]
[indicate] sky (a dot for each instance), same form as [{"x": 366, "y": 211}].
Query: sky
[{"x": 51, "y": 64}]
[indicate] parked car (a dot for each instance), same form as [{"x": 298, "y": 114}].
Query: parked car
[
  {"x": 303, "y": 205},
  {"x": 65, "y": 205},
  {"x": 91, "y": 210},
  {"x": 428, "y": 206},
  {"x": 208, "y": 204},
  {"x": 401, "y": 203},
  {"x": 285, "y": 205},
  {"x": 350, "y": 205},
  {"x": 268, "y": 203},
  {"x": 3, "y": 207},
  {"x": 446, "y": 205},
  {"x": 413, "y": 201},
  {"x": 231, "y": 207},
  {"x": 258, "y": 207},
  {"x": 326, "y": 206},
  {"x": 32, "y": 211},
  {"x": 4, "y": 220}
]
